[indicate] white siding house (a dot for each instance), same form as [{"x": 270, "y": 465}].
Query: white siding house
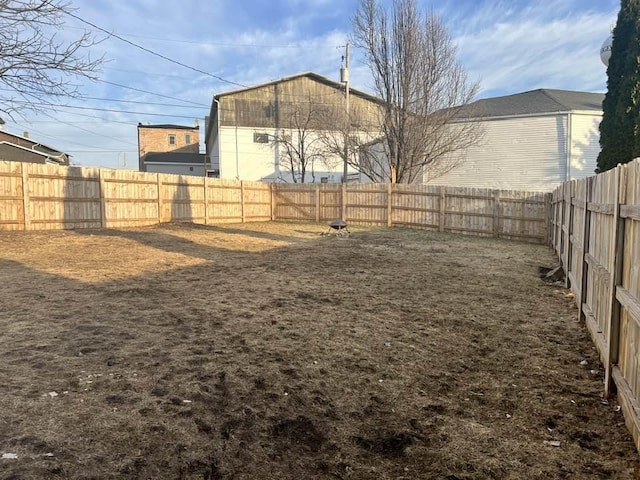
[
  {"x": 243, "y": 123},
  {"x": 532, "y": 141}
]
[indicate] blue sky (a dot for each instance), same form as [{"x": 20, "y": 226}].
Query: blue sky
[{"x": 508, "y": 46}]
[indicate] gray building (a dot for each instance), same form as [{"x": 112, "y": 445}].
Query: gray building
[
  {"x": 21, "y": 148},
  {"x": 533, "y": 140}
]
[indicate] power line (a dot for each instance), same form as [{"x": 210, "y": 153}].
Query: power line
[
  {"x": 51, "y": 136},
  {"x": 164, "y": 57},
  {"x": 199, "y": 105},
  {"x": 147, "y": 91},
  {"x": 86, "y": 130},
  {"x": 125, "y": 111},
  {"x": 223, "y": 44},
  {"x": 144, "y": 103},
  {"x": 118, "y": 111},
  {"x": 93, "y": 117}
]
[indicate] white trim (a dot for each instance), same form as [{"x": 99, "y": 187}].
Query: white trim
[
  {"x": 529, "y": 115},
  {"x": 31, "y": 150}
]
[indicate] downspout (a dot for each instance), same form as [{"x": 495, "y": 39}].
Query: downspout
[
  {"x": 237, "y": 161},
  {"x": 569, "y": 149},
  {"x": 235, "y": 122},
  {"x": 217, "y": 102}
]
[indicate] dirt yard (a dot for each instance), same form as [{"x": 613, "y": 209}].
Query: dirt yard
[{"x": 268, "y": 351}]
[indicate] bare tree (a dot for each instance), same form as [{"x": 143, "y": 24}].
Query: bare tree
[
  {"x": 300, "y": 142},
  {"x": 358, "y": 129},
  {"x": 416, "y": 74},
  {"x": 35, "y": 65}
]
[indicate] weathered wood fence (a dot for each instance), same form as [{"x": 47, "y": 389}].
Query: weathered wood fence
[
  {"x": 596, "y": 235},
  {"x": 593, "y": 224},
  {"x": 41, "y": 197},
  {"x": 37, "y": 197},
  {"x": 474, "y": 211}
]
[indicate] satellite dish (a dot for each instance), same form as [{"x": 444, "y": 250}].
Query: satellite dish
[{"x": 605, "y": 50}]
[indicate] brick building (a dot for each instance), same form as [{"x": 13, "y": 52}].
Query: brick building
[{"x": 170, "y": 149}]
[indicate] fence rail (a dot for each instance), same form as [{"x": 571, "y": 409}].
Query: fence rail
[
  {"x": 475, "y": 211},
  {"x": 595, "y": 232},
  {"x": 37, "y": 197},
  {"x": 41, "y": 197}
]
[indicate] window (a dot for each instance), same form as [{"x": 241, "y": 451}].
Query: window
[
  {"x": 172, "y": 139},
  {"x": 187, "y": 138},
  {"x": 260, "y": 137}
]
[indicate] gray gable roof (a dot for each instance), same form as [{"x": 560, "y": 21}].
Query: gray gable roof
[
  {"x": 543, "y": 100},
  {"x": 175, "y": 157}
]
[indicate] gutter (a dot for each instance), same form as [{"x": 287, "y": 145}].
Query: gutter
[{"x": 33, "y": 150}]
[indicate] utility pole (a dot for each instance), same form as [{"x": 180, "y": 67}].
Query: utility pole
[{"x": 344, "y": 78}]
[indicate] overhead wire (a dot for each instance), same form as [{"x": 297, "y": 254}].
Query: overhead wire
[
  {"x": 87, "y": 130},
  {"x": 51, "y": 136},
  {"x": 147, "y": 91},
  {"x": 85, "y": 97},
  {"x": 152, "y": 52},
  {"x": 97, "y": 109},
  {"x": 222, "y": 44}
]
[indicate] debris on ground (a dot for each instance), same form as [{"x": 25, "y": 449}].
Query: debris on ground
[{"x": 551, "y": 275}]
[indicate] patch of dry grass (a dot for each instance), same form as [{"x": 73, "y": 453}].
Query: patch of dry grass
[{"x": 269, "y": 351}]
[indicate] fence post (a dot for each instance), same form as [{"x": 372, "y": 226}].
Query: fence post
[
  {"x": 615, "y": 279},
  {"x": 317, "y": 201},
  {"x": 26, "y": 220},
  {"x": 242, "y": 199},
  {"x": 389, "y": 204},
  {"x": 441, "y": 205},
  {"x": 159, "y": 187},
  {"x": 204, "y": 183},
  {"x": 561, "y": 233},
  {"x": 567, "y": 234},
  {"x": 103, "y": 200},
  {"x": 586, "y": 233},
  {"x": 273, "y": 201},
  {"x": 343, "y": 204},
  {"x": 496, "y": 213},
  {"x": 548, "y": 216}
]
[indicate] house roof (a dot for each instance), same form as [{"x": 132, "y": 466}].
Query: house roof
[
  {"x": 169, "y": 127},
  {"x": 43, "y": 149},
  {"x": 312, "y": 75},
  {"x": 174, "y": 157},
  {"x": 543, "y": 100}
]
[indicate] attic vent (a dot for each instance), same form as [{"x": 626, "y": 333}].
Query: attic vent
[{"x": 260, "y": 137}]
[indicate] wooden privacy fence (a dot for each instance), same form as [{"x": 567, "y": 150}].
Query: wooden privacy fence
[
  {"x": 40, "y": 197},
  {"x": 596, "y": 234},
  {"x": 475, "y": 211}
]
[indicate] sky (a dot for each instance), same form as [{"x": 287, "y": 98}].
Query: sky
[{"x": 507, "y": 46}]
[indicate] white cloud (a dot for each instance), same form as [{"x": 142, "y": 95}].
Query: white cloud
[
  {"x": 539, "y": 46},
  {"x": 511, "y": 46}
]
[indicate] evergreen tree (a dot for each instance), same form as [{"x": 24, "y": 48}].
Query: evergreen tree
[{"x": 620, "y": 126}]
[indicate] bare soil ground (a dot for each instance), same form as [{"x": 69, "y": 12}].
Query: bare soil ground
[{"x": 269, "y": 351}]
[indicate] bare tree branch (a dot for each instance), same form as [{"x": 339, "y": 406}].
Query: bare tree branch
[
  {"x": 301, "y": 142},
  {"x": 37, "y": 67},
  {"x": 416, "y": 74}
]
